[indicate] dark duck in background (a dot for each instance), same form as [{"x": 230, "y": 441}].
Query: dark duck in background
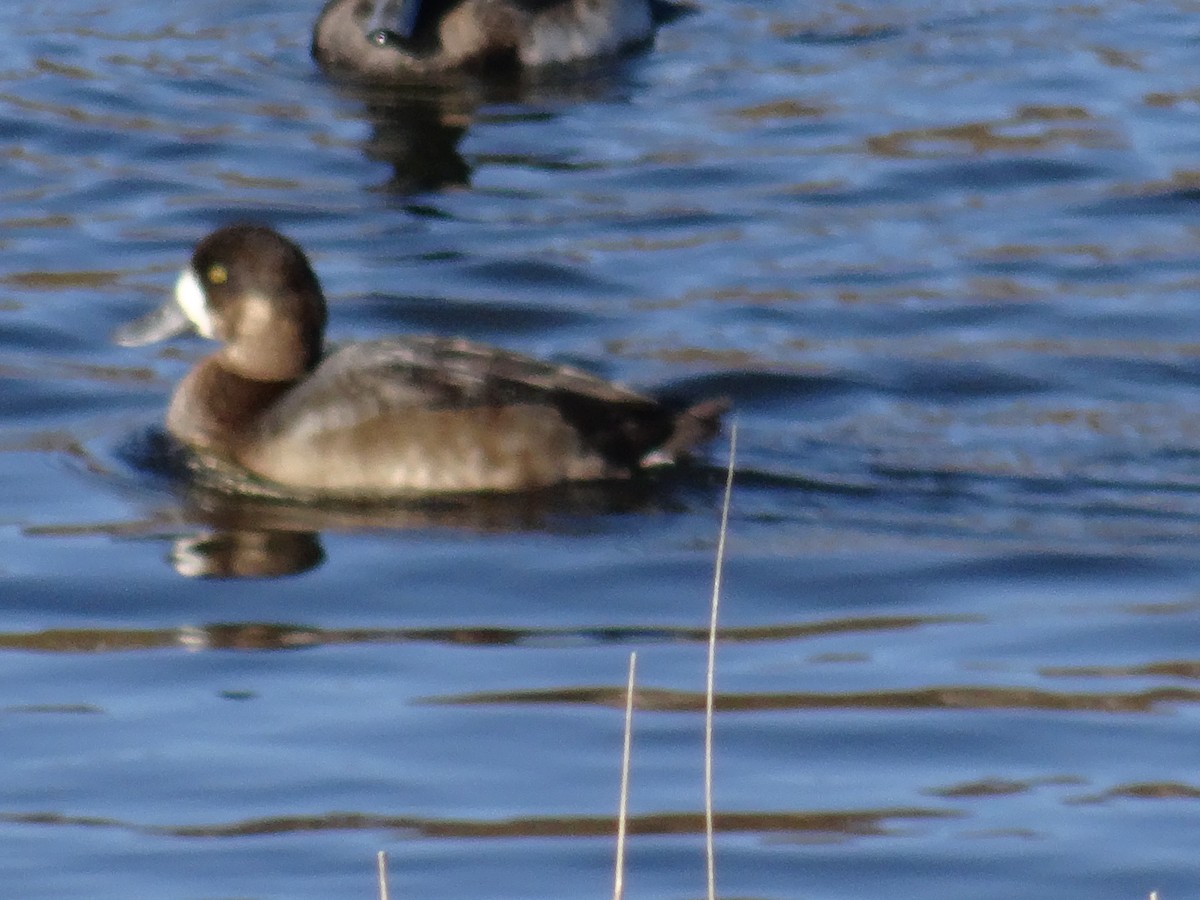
[{"x": 403, "y": 39}]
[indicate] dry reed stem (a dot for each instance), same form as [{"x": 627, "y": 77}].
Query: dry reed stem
[
  {"x": 710, "y": 860},
  {"x": 381, "y": 864},
  {"x": 623, "y": 803}
]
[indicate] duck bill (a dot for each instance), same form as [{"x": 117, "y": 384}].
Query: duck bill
[
  {"x": 393, "y": 19},
  {"x": 165, "y": 322}
]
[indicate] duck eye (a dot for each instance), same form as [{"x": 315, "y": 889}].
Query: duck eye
[{"x": 217, "y": 274}]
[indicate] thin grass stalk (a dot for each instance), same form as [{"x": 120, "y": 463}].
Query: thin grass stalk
[
  {"x": 710, "y": 855},
  {"x": 381, "y": 866},
  {"x": 623, "y": 803}
]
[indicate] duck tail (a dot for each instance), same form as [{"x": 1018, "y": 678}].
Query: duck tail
[{"x": 693, "y": 426}]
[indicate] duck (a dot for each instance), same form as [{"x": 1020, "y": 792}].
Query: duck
[
  {"x": 402, "y": 39},
  {"x": 395, "y": 417}
]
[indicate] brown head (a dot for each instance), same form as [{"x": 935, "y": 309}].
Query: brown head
[{"x": 254, "y": 291}]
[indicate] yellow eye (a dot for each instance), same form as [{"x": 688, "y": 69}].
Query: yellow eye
[{"x": 217, "y": 274}]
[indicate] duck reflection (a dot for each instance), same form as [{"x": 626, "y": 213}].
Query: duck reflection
[
  {"x": 248, "y": 537},
  {"x": 246, "y": 553},
  {"x": 219, "y": 534},
  {"x": 417, "y": 129},
  {"x": 417, "y": 132}
]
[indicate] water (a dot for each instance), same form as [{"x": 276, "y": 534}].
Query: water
[{"x": 943, "y": 258}]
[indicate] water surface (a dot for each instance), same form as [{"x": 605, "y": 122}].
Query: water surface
[{"x": 942, "y": 257}]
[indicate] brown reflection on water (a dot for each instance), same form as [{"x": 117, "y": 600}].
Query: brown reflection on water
[
  {"x": 53, "y": 281},
  {"x": 964, "y": 697},
  {"x": 789, "y": 108},
  {"x": 1031, "y": 128},
  {"x": 1001, "y": 787},
  {"x": 71, "y": 371},
  {"x": 76, "y": 115},
  {"x": 849, "y": 823},
  {"x": 1143, "y": 790},
  {"x": 69, "y": 709},
  {"x": 283, "y": 636},
  {"x": 1176, "y": 668}
]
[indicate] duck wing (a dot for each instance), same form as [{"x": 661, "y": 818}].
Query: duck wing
[{"x": 397, "y": 378}]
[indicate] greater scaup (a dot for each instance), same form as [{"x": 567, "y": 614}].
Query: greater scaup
[
  {"x": 384, "y": 418},
  {"x": 400, "y": 39}
]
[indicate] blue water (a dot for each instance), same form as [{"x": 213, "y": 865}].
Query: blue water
[{"x": 943, "y": 258}]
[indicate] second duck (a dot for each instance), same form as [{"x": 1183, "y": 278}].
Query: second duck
[{"x": 402, "y": 39}]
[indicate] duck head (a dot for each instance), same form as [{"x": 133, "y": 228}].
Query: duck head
[{"x": 252, "y": 290}]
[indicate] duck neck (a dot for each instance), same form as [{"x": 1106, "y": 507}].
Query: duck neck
[{"x": 215, "y": 408}]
